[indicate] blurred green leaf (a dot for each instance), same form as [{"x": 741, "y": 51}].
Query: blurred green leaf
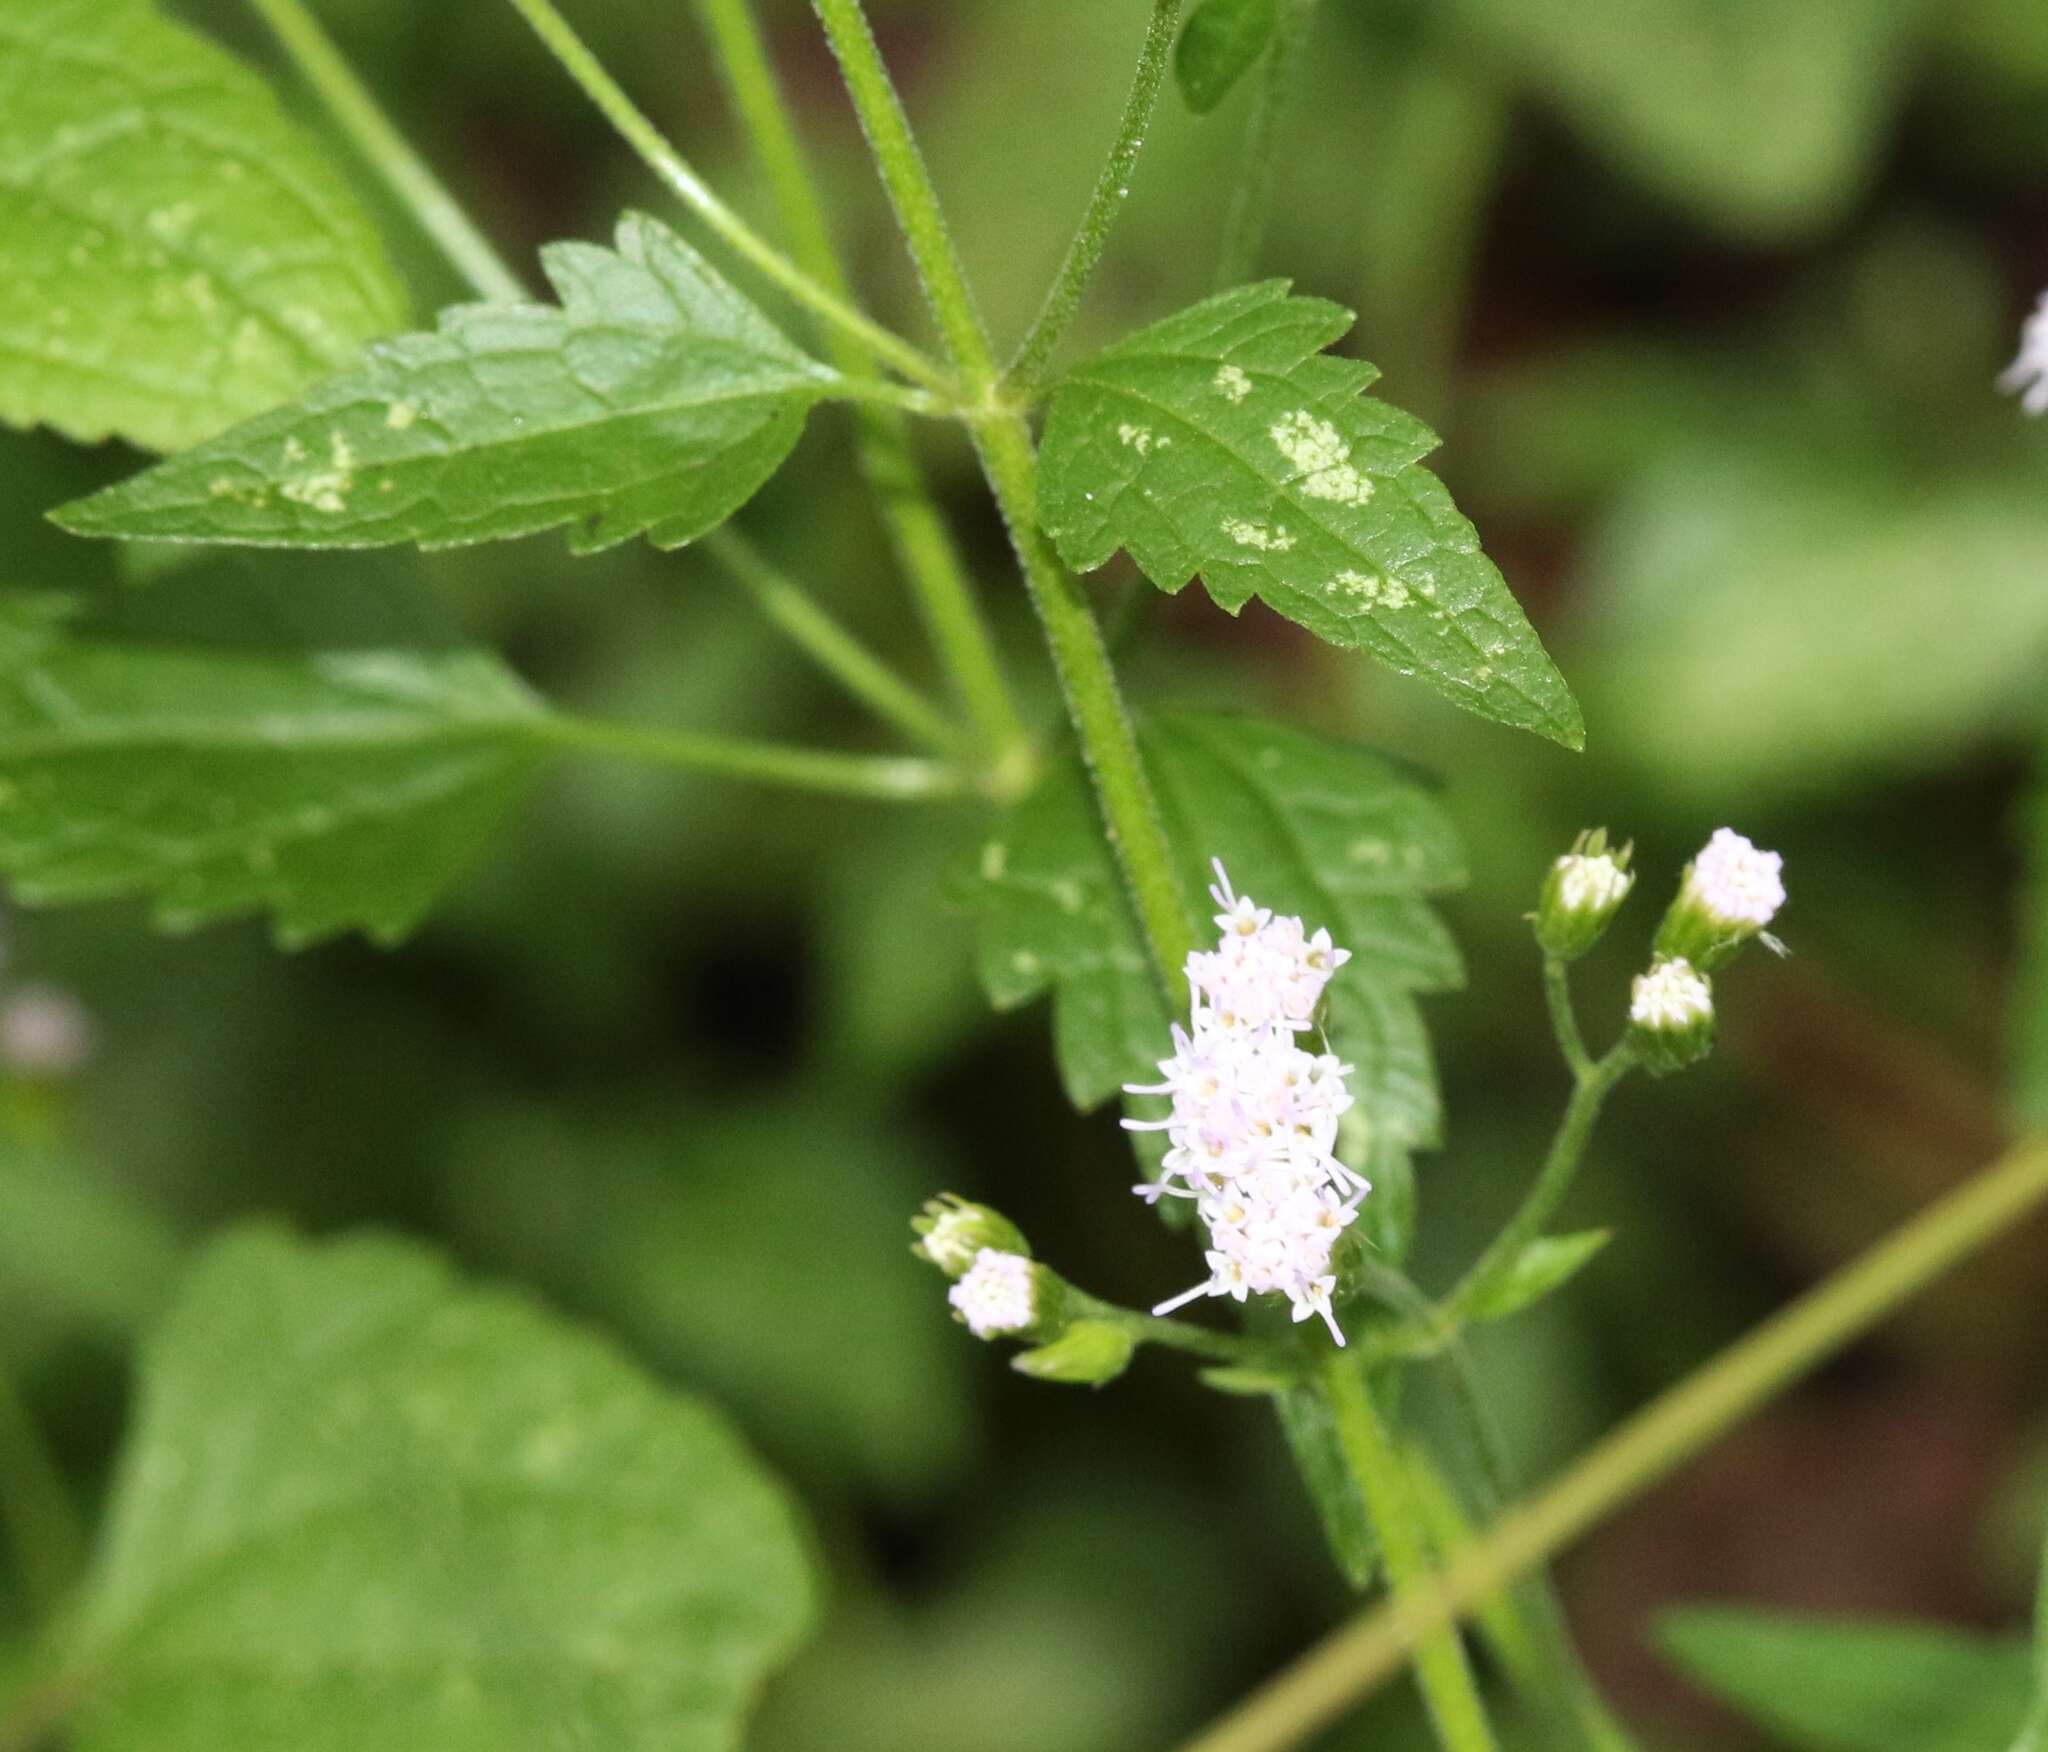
[
  {"x": 1311, "y": 1432},
  {"x": 365, "y": 1505},
  {"x": 1763, "y": 119},
  {"x": 1339, "y": 835},
  {"x": 760, "y": 1251},
  {"x": 2029, "y": 1057},
  {"x": 1850, "y": 1685},
  {"x": 1224, "y": 441},
  {"x": 1218, "y": 46},
  {"x": 174, "y": 254},
  {"x": 336, "y": 789},
  {"x": 1545, "y": 1265},
  {"x": 655, "y": 399}
]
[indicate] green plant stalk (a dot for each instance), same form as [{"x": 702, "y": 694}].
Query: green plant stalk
[
  {"x": 1088, "y": 685},
  {"x": 1063, "y": 300},
  {"x": 1350, "y": 1663},
  {"x": 36, "y": 1508},
  {"x": 1180, "y": 1335},
  {"x": 2034, "y": 1732},
  {"x": 888, "y": 778},
  {"x": 1564, "y": 1017},
  {"x": 1244, "y": 231},
  {"x": 1441, "y": 1668},
  {"x": 439, "y": 215},
  {"x": 674, "y": 170},
  {"x": 828, "y": 644},
  {"x": 1590, "y": 1090},
  {"x": 924, "y": 549}
]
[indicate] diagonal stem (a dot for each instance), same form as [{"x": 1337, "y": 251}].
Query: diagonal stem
[
  {"x": 1245, "y": 229},
  {"x": 1350, "y": 1663},
  {"x": 886, "y": 778}
]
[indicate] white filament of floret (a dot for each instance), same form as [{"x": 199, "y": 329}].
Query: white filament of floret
[
  {"x": 1734, "y": 883},
  {"x": 1671, "y": 996},
  {"x": 1253, "y": 1130},
  {"x": 2027, "y": 375},
  {"x": 1588, "y": 884},
  {"x": 995, "y": 1294}
]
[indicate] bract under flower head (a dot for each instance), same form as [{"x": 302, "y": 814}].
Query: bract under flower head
[{"x": 1253, "y": 1128}]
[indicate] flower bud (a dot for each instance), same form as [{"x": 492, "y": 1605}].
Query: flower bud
[
  {"x": 952, "y": 1231},
  {"x": 1008, "y": 1295},
  {"x": 1728, "y": 894},
  {"x": 1581, "y": 894},
  {"x": 1087, "y": 1354},
  {"x": 1671, "y": 1015}
]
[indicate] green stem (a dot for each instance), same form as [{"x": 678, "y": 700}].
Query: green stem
[
  {"x": 1180, "y": 1335},
  {"x": 1560, "y": 1167},
  {"x": 2034, "y": 1733},
  {"x": 1245, "y": 229},
  {"x": 439, "y": 215},
  {"x": 887, "y": 777},
  {"x": 828, "y": 644},
  {"x": 670, "y": 166},
  {"x": 1350, "y": 1663},
  {"x": 924, "y": 549},
  {"x": 1440, "y": 1664},
  {"x": 1564, "y": 1018},
  {"x": 1108, "y": 744},
  {"x": 1027, "y": 370},
  {"x": 36, "y": 1508}
]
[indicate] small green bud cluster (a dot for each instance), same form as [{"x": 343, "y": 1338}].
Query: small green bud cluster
[
  {"x": 951, "y": 1231},
  {"x": 1582, "y": 892}
]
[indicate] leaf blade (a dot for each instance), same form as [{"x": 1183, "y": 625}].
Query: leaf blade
[
  {"x": 1542, "y": 1268},
  {"x": 1218, "y": 45}
]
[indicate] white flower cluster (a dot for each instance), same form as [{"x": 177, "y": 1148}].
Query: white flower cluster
[
  {"x": 996, "y": 1294},
  {"x": 1673, "y": 995},
  {"x": 1254, "y": 1124},
  {"x": 1734, "y": 883},
  {"x": 2027, "y": 375},
  {"x": 1592, "y": 883}
]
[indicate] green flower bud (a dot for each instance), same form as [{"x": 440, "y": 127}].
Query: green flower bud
[
  {"x": 1087, "y": 1354},
  {"x": 1582, "y": 892},
  {"x": 1671, "y": 1015},
  {"x": 952, "y": 1231}
]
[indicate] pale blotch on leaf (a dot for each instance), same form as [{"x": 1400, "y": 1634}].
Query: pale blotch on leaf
[
  {"x": 325, "y": 489},
  {"x": 1256, "y": 535},
  {"x": 1318, "y": 450},
  {"x": 400, "y": 415},
  {"x": 1138, "y": 438},
  {"x": 1232, "y": 381},
  {"x": 1373, "y": 591}
]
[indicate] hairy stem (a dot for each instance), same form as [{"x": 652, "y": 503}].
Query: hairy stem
[
  {"x": 1087, "y": 680},
  {"x": 1560, "y": 1167},
  {"x": 828, "y": 644},
  {"x": 1245, "y": 229},
  {"x": 1350, "y": 1663},
  {"x": 890, "y": 778},
  {"x": 670, "y": 166},
  {"x": 469, "y": 252},
  {"x": 924, "y": 549},
  {"x": 1063, "y": 300},
  {"x": 1445, "y": 1675},
  {"x": 1564, "y": 1018}
]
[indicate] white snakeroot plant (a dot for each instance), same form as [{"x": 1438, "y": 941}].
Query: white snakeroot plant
[
  {"x": 2027, "y": 376},
  {"x": 1253, "y": 1131}
]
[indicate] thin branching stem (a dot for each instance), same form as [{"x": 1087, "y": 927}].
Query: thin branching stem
[
  {"x": 1353, "y": 1661},
  {"x": 408, "y": 175},
  {"x": 1112, "y": 188},
  {"x": 674, "y": 170},
  {"x": 888, "y": 778},
  {"x": 924, "y": 548},
  {"x": 1564, "y": 1017},
  {"x": 1244, "y": 231}
]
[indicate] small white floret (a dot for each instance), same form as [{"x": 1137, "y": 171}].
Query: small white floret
[
  {"x": 1670, "y": 997},
  {"x": 1592, "y": 884},
  {"x": 1735, "y": 884},
  {"x": 2027, "y": 376},
  {"x": 995, "y": 1296}
]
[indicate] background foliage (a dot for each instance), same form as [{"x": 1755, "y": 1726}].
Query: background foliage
[{"x": 1707, "y": 307}]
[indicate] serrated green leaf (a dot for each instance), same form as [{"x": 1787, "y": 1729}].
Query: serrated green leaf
[
  {"x": 1852, "y": 1685},
  {"x": 1340, "y": 835},
  {"x": 1225, "y": 441},
  {"x": 1217, "y": 47},
  {"x": 653, "y": 399},
  {"x": 175, "y": 255},
  {"x": 335, "y": 789},
  {"x": 365, "y": 1505},
  {"x": 1544, "y": 1266}
]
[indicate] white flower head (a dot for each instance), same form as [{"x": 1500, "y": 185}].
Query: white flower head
[
  {"x": 996, "y": 1295},
  {"x": 2027, "y": 375},
  {"x": 1589, "y": 884},
  {"x": 1672, "y": 997},
  {"x": 1253, "y": 1128},
  {"x": 44, "y": 1031},
  {"x": 1737, "y": 886}
]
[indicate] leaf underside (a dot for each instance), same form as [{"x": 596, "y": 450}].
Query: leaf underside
[
  {"x": 367, "y": 1506},
  {"x": 1218, "y": 45},
  {"x": 653, "y": 399},
  {"x": 1225, "y": 442},
  {"x": 334, "y": 790},
  {"x": 175, "y": 255},
  {"x": 1340, "y": 835}
]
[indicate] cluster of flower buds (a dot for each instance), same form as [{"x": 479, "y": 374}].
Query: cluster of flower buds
[
  {"x": 1253, "y": 1128},
  {"x": 1581, "y": 895}
]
